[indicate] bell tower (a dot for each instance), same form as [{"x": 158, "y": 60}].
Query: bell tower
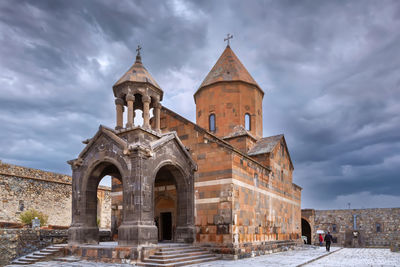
[
  {"x": 229, "y": 101},
  {"x": 137, "y": 89}
]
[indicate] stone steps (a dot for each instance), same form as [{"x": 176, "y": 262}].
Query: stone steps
[
  {"x": 40, "y": 255},
  {"x": 176, "y": 264},
  {"x": 178, "y": 256}
]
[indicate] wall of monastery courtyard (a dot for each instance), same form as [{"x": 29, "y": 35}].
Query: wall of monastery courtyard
[
  {"x": 24, "y": 188},
  {"x": 375, "y": 227}
]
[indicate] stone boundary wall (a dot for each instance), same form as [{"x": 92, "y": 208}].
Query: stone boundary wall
[
  {"x": 18, "y": 242},
  {"x": 24, "y": 188},
  {"x": 366, "y": 226}
]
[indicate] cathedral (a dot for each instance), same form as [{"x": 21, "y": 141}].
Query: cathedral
[{"x": 216, "y": 182}]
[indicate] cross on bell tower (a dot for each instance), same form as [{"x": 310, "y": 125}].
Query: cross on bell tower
[{"x": 138, "y": 57}]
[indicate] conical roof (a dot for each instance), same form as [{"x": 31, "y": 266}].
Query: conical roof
[
  {"x": 137, "y": 73},
  {"x": 228, "y": 68}
]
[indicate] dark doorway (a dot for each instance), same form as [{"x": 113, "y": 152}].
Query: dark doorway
[
  {"x": 306, "y": 230},
  {"x": 166, "y": 226}
]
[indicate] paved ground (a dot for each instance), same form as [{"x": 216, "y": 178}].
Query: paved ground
[
  {"x": 287, "y": 258},
  {"x": 359, "y": 257},
  {"x": 339, "y": 258}
]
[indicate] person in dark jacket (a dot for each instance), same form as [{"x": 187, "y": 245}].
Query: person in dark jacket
[{"x": 328, "y": 239}]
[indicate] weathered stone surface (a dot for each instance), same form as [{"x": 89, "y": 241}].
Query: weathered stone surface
[
  {"x": 17, "y": 242},
  {"x": 366, "y": 226},
  {"x": 24, "y": 188}
]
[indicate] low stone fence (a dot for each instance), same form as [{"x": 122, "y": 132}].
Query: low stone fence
[{"x": 18, "y": 242}]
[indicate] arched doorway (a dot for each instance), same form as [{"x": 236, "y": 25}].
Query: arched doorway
[
  {"x": 170, "y": 202},
  {"x": 306, "y": 230}
]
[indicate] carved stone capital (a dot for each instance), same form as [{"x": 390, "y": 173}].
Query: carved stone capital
[
  {"x": 75, "y": 163},
  {"x": 119, "y": 101},
  {"x": 146, "y": 99},
  {"x": 157, "y": 105},
  {"x": 130, "y": 97}
]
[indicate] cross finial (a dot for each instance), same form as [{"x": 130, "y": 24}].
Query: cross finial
[
  {"x": 138, "y": 57},
  {"x": 228, "y": 36}
]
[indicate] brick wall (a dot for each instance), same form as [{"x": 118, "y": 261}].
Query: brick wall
[{"x": 24, "y": 188}]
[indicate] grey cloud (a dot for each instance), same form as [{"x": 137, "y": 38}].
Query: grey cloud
[{"x": 329, "y": 69}]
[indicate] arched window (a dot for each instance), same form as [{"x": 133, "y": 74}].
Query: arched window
[
  {"x": 247, "y": 122},
  {"x": 211, "y": 123}
]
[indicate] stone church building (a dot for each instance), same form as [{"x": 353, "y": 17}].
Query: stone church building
[{"x": 217, "y": 182}]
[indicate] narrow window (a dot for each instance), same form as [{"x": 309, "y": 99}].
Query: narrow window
[
  {"x": 334, "y": 228},
  {"x": 247, "y": 122},
  {"x": 212, "y": 123},
  {"x": 256, "y": 179},
  {"x": 378, "y": 227},
  {"x": 282, "y": 175},
  {"x": 282, "y": 150}
]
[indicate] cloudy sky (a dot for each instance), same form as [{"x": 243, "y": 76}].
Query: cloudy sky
[{"x": 330, "y": 70}]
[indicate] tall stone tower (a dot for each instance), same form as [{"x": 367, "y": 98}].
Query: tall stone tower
[{"x": 229, "y": 99}]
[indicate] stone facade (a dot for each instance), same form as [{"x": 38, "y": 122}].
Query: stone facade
[
  {"x": 241, "y": 208},
  {"x": 24, "y": 188},
  {"x": 357, "y": 227}
]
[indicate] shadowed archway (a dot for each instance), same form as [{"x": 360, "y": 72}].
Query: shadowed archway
[
  {"x": 171, "y": 203},
  {"x": 306, "y": 230}
]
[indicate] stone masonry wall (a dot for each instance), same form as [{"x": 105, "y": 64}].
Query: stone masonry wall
[
  {"x": 229, "y": 101},
  {"x": 17, "y": 242},
  {"x": 23, "y": 188},
  {"x": 366, "y": 226},
  {"x": 236, "y": 211}
]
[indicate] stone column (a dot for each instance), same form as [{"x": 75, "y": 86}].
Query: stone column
[
  {"x": 130, "y": 99},
  {"x": 119, "y": 104},
  {"x": 138, "y": 226},
  {"x": 146, "y": 111},
  {"x": 157, "y": 111}
]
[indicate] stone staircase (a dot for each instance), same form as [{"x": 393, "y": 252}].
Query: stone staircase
[
  {"x": 40, "y": 255},
  {"x": 178, "y": 256}
]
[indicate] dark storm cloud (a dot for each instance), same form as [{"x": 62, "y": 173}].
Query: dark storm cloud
[{"x": 330, "y": 70}]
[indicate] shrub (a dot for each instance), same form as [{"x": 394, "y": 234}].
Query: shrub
[{"x": 27, "y": 217}]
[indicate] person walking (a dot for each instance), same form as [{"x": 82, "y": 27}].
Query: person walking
[
  {"x": 328, "y": 239},
  {"x": 321, "y": 240}
]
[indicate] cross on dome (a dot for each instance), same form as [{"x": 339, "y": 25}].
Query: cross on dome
[{"x": 228, "y": 36}]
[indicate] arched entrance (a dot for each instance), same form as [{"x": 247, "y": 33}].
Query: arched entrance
[
  {"x": 170, "y": 202},
  {"x": 85, "y": 228},
  {"x": 306, "y": 230}
]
